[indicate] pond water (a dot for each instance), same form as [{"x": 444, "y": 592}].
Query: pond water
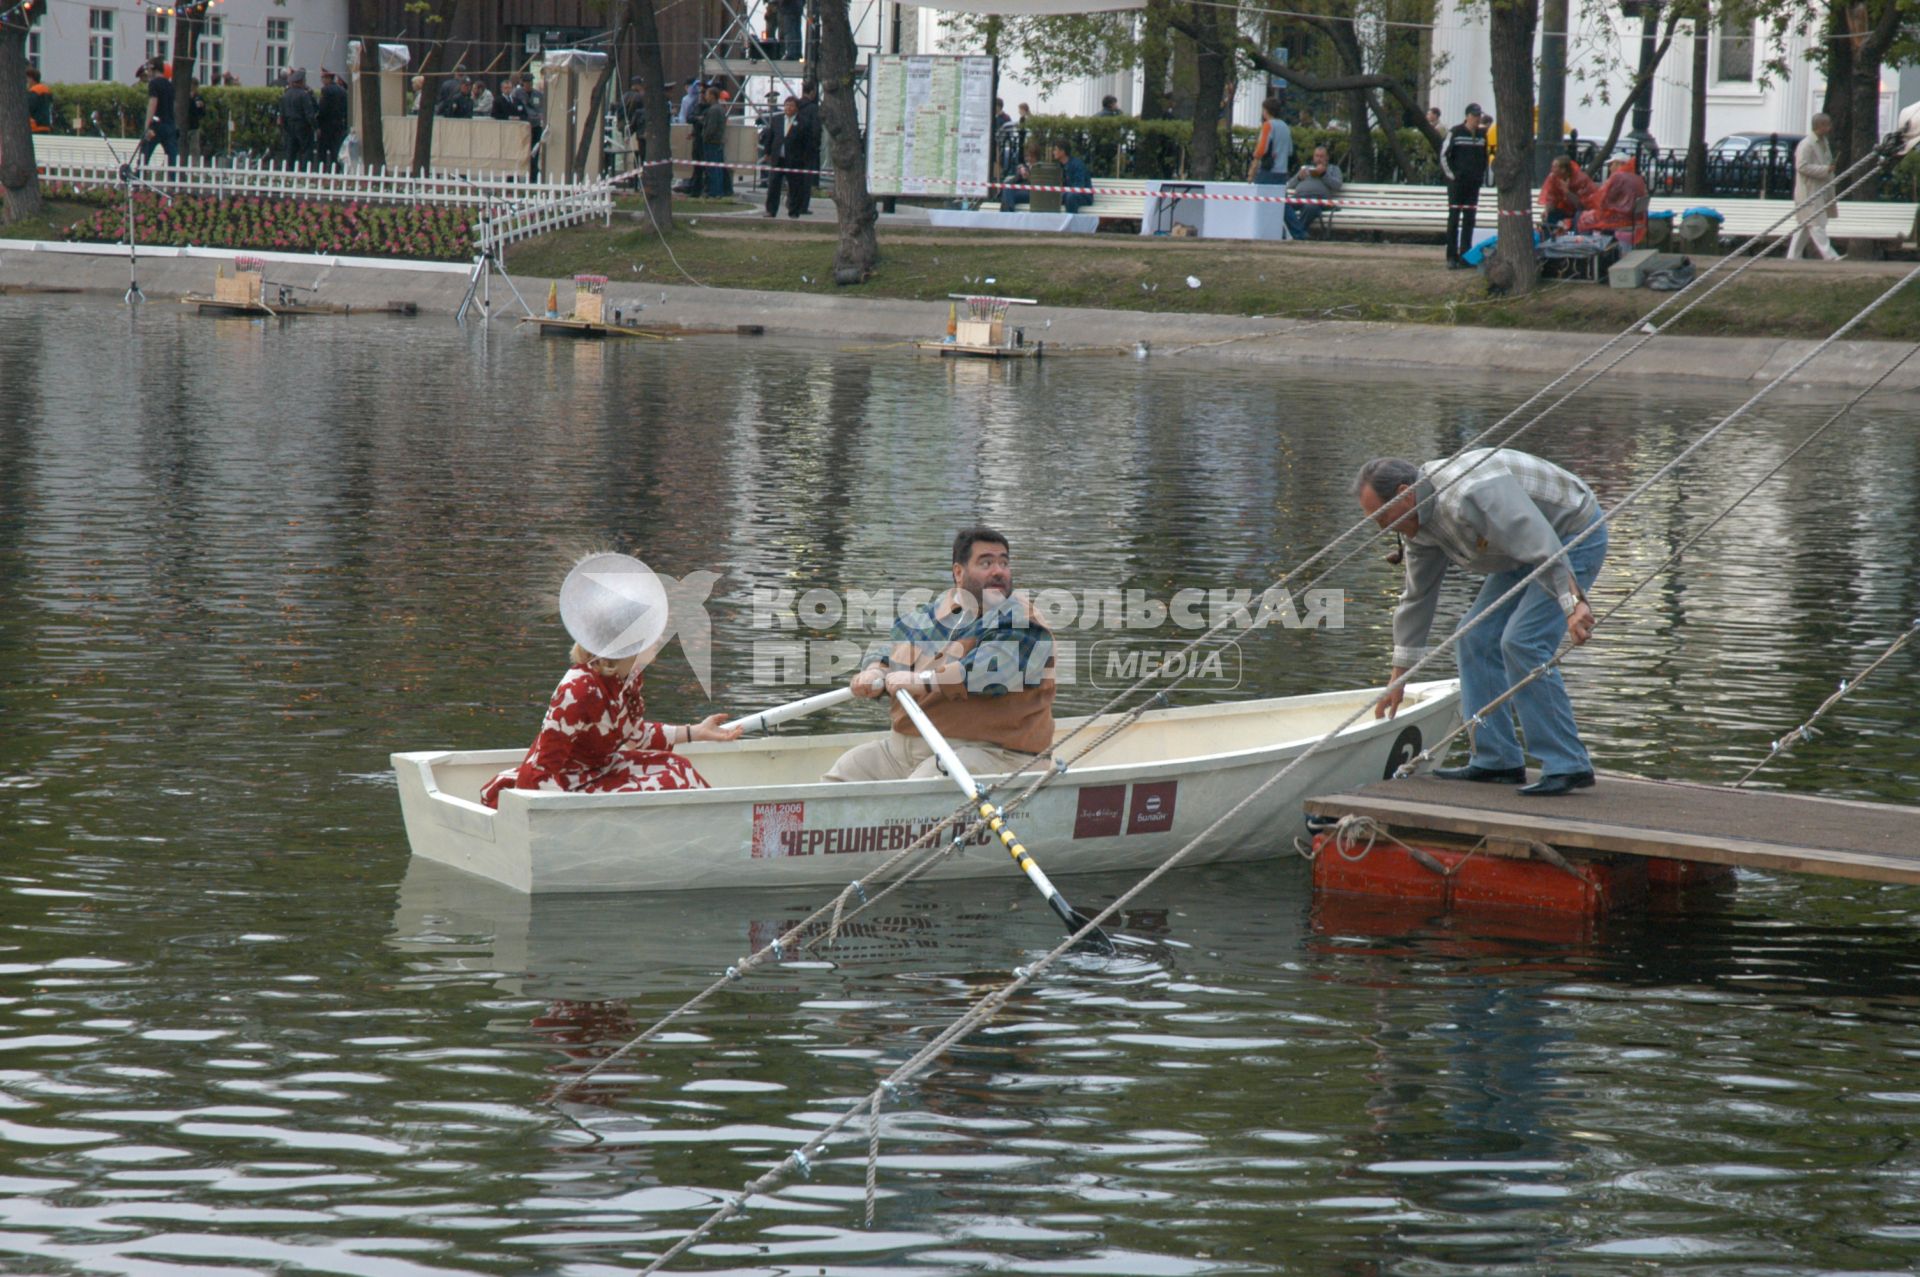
[{"x": 239, "y": 1032}]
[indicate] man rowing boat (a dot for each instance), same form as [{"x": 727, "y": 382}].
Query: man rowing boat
[
  {"x": 991, "y": 662},
  {"x": 1501, "y": 512}
]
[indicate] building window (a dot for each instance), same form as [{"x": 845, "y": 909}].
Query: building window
[
  {"x": 100, "y": 44},
  {"x": 1736, "y": 48},
  {"x": 159, "y": 37},
  {"x": 279, "y": 48},
  {"x": 211, "y": 59},
  {"x": 33, "y": 37}
]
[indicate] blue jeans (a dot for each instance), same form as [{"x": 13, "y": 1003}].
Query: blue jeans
[
  {"x": 1520, "y": 634},
  {"x": 166, "y": 136},
  {"x": 716, "y": 177}
]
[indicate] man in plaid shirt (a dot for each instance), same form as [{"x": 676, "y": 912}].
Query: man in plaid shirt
[
  {"x": 1502, "y": 513},
  {"x": 992, "y": 677}
]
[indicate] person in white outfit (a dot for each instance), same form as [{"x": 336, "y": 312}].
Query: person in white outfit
[{"x": 1813, "y": 169}]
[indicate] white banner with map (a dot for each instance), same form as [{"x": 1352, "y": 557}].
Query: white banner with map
[{"x": 930, "y": 130}]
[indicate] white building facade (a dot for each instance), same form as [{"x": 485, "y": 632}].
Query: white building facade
[
  {"x": 1603, "y": 53},
  {"x": 256, "y": 41}
]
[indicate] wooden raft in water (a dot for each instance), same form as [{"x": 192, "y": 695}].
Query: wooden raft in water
[{"x": 1668, "y": 820}]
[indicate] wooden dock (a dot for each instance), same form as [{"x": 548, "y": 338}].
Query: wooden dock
[{"x": 1668, "y": 820}]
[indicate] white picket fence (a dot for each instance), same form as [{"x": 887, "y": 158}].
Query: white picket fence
[
  {"x": 523, "y": 221},
  {"x": 511, "y": 208},
  {"x": 275, "y": 180}
]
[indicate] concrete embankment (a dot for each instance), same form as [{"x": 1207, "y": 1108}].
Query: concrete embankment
[{"x": 437, "y": 289}]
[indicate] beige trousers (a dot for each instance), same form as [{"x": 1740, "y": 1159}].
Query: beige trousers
[{"x": 897, "y": 756}]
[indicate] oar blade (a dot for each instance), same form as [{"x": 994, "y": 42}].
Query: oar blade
[{"x": 1095, "y": 941}]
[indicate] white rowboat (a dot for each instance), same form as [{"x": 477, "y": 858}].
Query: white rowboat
[{"x": 769, "y": 821}]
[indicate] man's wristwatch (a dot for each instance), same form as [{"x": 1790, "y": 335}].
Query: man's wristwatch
[{"x": 1569, "y": 601}]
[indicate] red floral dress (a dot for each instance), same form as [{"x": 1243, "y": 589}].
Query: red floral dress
[{"x": 596, "y": 740}]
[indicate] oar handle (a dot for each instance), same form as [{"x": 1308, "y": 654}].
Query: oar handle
[
  {"x": 796, "y": 709},
  {"x": 801, "y": 708}
]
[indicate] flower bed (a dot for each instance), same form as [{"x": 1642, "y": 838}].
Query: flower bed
[{"x": 288, "y": 226}]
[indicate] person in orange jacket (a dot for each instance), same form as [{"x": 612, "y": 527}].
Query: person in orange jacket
[{"x": 39, "y": 103}]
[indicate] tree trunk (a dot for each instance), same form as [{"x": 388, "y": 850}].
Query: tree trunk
[
  {"x": 1696, "y": 184},
  {"x": 1838, "y": 103},
  {"x": 657, "y": 179},
  {"x": 1390, "y": 129},
  {"x": 1512, "y": 23},
  {"x": 1346, "y": 42},
  {"x": 19, "y": 177},
  {"x": 858, "y": 250},
  {"x": 429, "y": 107},
  {"x": 1156, "y": 52},
  {"x": 1210, "y": 87},
  {"x": 373, "y": 132},
  {"x": 186, "y": 45}
]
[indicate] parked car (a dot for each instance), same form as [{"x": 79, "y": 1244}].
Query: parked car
[{"x": 1753, "y": 147}]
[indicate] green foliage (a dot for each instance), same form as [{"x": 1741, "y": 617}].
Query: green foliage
[
  {"x": 1054, "y": 49},
  {"x": 237, "y": 119},
  {"x": 1904, "y": 183}
]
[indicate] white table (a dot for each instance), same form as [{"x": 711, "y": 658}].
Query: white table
[
  {"x": 1211, "y": 218},
  {"x": 995, "y": 220}
]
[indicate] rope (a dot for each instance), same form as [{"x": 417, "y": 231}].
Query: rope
[
  {"x": 1438, "y": 747},
  {"x": 1805, "y": 730},
  {"x": 873, "y": 1155}
]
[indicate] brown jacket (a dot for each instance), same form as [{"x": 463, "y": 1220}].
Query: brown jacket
[{"x": 1021, "y": 719}]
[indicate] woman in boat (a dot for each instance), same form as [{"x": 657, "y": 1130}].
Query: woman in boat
[{"x": 596, "y": 737}]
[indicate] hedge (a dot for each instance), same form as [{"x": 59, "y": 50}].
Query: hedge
[
  {"x": 254, "y": 114},
  {"x": 1122, "y": 146}
]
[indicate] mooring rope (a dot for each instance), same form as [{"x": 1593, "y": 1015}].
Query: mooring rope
[
  {"x": 989, "y": 1003},
  {"x": 1805, "y": 730},
  {"x": 1438, "y": 748}
]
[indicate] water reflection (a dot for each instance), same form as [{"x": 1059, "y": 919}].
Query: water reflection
[{"x": 242, "y": 562}]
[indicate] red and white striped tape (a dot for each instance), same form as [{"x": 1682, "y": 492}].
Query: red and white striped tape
[{"x": 1230, "y": 197}]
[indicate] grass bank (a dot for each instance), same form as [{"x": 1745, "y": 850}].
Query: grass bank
[{"x": 1396, "y": 283}]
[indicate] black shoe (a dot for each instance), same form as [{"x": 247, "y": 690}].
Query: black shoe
[
  {"x": 1558, "y": 784},
  {"x": 1485, "y": 775}
]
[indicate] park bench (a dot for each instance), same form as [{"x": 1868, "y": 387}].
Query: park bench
[
  {"x": 1888, "y": 223},
  {"x": 1388, "y": 210},
  {"x": 60, "y": 148}
]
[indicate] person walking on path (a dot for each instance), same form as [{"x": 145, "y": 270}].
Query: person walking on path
[
  {"x": 1500, "y": 512},
  {"x": 1812, "y": 172},
  {"x": 1463, "y": 160},
  {"x": 161, "y": 131}
]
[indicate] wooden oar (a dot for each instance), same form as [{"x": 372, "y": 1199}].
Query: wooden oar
[
  {"x": 797, "y": 709},
  {"x": 996, "y": 821}
]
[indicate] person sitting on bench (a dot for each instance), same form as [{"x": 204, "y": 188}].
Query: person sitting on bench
[
  {"x": 1076, "y": 179},
  {"x": 1566, "y": 191},
  {"x": 1021, "y": 175}
]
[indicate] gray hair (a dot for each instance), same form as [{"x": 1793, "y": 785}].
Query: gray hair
[
  {"x": 1386, "y": 476},
  {"x": 1819, "y": 119}
]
